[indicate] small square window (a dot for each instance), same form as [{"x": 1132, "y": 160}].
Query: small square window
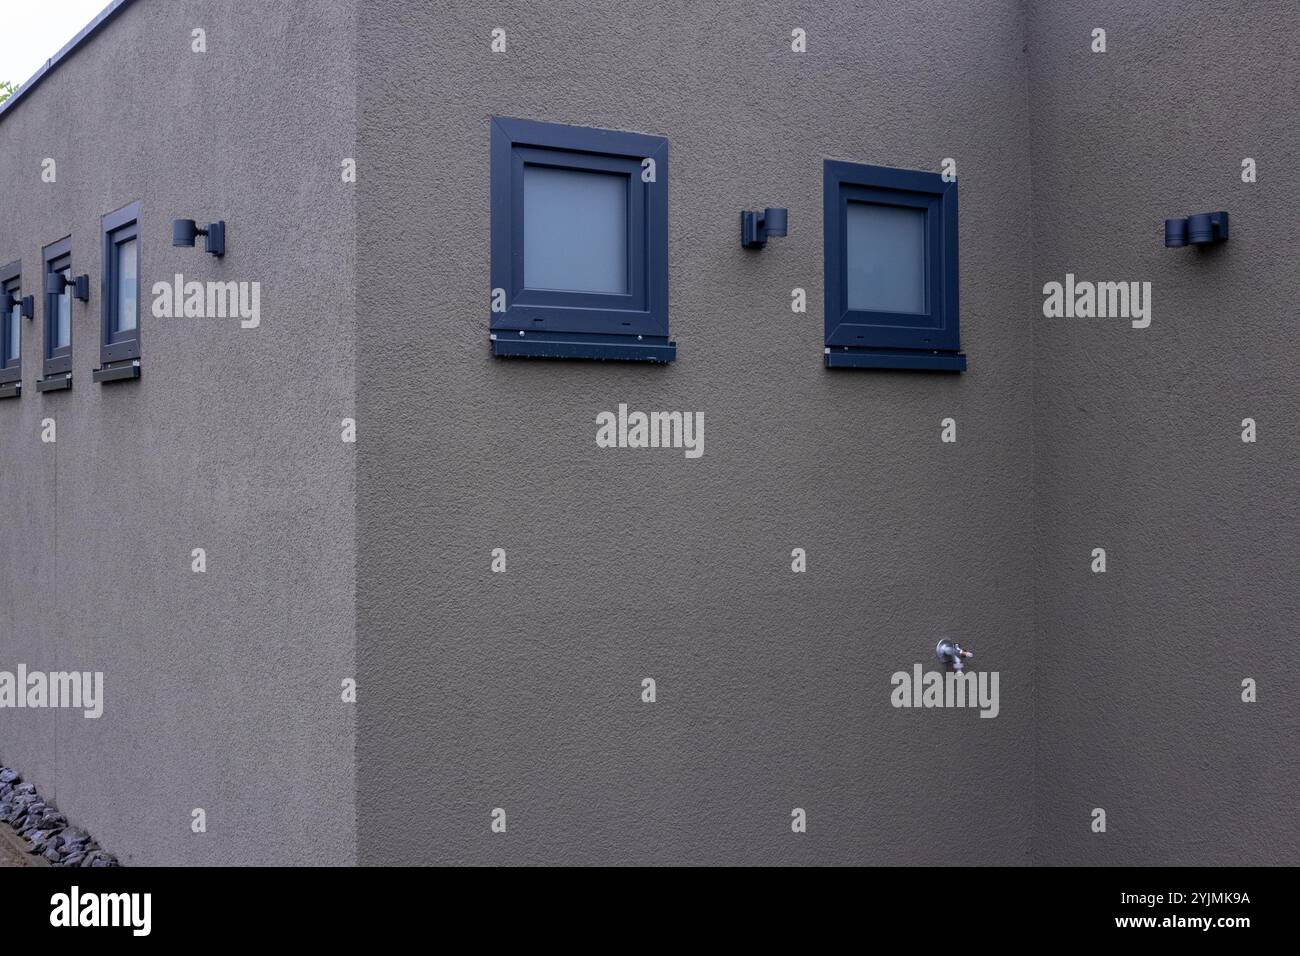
[
  {"x": 119, "y": 345},
  {"x": 891, "y": 268},
  {"x": 57, "y": 365},
  {"x": 11, "y": 335},
  {"x": 886, "y": 258},
  {"x": 579, "y": 243},
  {"x": 575, "y": 230}
]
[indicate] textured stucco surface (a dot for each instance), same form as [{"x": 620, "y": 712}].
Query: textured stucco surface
[
  {"x": 521, "y": 690},
  {"x": 222, "y": 689},
  {"x": 1138, "y": 445}
]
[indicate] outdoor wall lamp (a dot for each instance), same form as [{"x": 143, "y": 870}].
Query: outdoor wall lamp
[
  {"x": 185, "y": 230},
  {"x": 1199, "y": 230},
  {"x": 756, "y": 227},
  {"x": 27, "y": 304},
  {"x": 55, "y": 283}
]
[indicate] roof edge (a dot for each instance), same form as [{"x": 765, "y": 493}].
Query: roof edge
[{"x": 89, "y": 30}]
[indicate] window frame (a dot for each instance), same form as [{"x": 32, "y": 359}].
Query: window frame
[
  {"x": 861, "y": 338},
  {"x": 115, "y": 228},
  {"x": 56, "y": 257},
  {"x": 569, "y": 324},
  {"x": 11, "y": 366}
]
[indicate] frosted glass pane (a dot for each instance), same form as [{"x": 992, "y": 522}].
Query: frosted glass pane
[
  {"x": 11, "y": 350},
  {"x": 63, "y": 333},
  {"x": 575, "y": 230},
  {"x": 127, "y": 284},
  {"x": 886, "y": 258}
]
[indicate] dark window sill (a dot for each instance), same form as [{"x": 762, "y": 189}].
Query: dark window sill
[
  {"x": 55, "y": 383},
  {"x": 11, "y": 390},
  {"x": 124, "y": 372},
  {"x": 576, "y": 345},
  {"x": 839, "y": 357}
]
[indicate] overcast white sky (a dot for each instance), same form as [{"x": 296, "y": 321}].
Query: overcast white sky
[{"x": 32, "y": 31}]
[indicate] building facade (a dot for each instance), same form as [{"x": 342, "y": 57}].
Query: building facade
[
  {"x": 221, "y": 687},
  {"x": 568, "y": 649}
]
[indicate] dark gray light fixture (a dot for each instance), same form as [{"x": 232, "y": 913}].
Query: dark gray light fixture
[
  {"x": 1201, "y": 229},
  {"x": 55, "y": 283},
  {"x": 27, "y": 304},
  {"x": 184, "y": 232},
  {"x": 756, "y": 227}
]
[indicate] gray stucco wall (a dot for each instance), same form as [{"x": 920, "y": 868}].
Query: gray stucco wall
[
  {"x": 1138, "y": 444},
  {"x": 222, "y": 689},
  {"x": 522, "y": 690}
]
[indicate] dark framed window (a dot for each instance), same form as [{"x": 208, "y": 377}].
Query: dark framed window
[
  {"x": 890, "y": 268},
  {"x": 11, "y": 334},
  {"x": 579, "y": 242},
  {"x": 119, "y": 344},
  {"x": 57, "y": 258}
]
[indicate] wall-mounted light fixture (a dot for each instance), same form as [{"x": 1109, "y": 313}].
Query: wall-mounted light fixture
[
  {"x": 1200, "y": 230},
  {"x": 55, "y": 283},
  {"x": 184, "y": 232},
  {"x": 27, "y": 304},
  {"x": 756, "y": 227}
]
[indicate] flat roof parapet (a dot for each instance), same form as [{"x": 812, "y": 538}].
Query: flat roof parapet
[{"x": 89, "y": 30}]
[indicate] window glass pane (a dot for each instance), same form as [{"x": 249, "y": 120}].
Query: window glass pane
[
  {"x": 11, "y": 349},
  {"x": 63, "y": 331},
  {"x": 127, "y": 283},
  {"x": 575, "y": 230},
  {"x": 886, "y": 258}
]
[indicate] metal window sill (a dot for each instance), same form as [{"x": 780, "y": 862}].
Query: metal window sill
[
  {"x": 11, "y": 390},
  {"x": 54, "y": 383},
  {"x": 922, "y": 359},
  {"x": 621, "y": 348},
  {"x": 117, "y": 373}
]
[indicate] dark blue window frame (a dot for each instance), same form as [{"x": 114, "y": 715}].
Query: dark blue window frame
[
  {"x": 57, "y": 257},
  {"x": 856, "y": 338},
  {"x": 116, "y": 345},
  {"x": 545, "y": 323},
  {"x": 11, "y": 366}
]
